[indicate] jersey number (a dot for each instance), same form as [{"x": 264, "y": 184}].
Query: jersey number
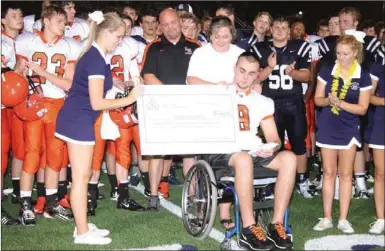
[
  {"x": 117, "y": 64},
  {"x": 42, "y": 59},
  {"x": 244, "y": 118},
  {"x": 280, "y": 80}
]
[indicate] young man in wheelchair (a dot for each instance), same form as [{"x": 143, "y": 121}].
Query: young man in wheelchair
[{"x": 257, "y": 111}]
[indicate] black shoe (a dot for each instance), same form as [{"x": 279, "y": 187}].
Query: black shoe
[
  {"x": 135, "y": 179},
  {"x": 8, "y": 220},
  {"x": 276, "y": 233},
  {"x": 253, "y": 238},
  {"x": 129, "y": 204},
  {"x": 114, "y": 194},
  {"x": 26, "y": 215},
  {"x": 58, "y": 212},
  {"x": 15, "y": 199},
  {"x": 101, "y": 197},
  {"x": 90, "y": 208},
  {"x": 173, "y": 181},
  {"x": 153, "y": 203},
  {"x": 147, "y": 193}
]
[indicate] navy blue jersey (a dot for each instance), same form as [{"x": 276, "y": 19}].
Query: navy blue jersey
[
  {"x": 279, "y": 85},
  {"x": 327, "y": 50}
]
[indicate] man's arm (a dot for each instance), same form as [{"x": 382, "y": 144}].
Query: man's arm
[
  {"x": 270, "y": 132},
  {"x": 151, "y": 79}
]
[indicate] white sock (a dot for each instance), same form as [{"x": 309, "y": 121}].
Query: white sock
[
  {"x": 50, "y": 191},
  {"x": 360, "y": 181},
  {"x": 15, "y": 178},
  {"x": 93, "y": 182},
  {"x": 123, "y": 181},
  {"x": 24, "y": 194}
]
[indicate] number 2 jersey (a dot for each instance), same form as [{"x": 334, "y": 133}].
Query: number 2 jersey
[
  {"x": 52, "y": 58},
  {"x": 252, "y": 109},
  {"x": 279, "y": 85},
  {"x": 123, "y": 60}
]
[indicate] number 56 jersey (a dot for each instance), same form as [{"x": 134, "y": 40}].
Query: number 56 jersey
[
  {"x": 279, "y": 85},
  {"x": 52, "y": 58}
]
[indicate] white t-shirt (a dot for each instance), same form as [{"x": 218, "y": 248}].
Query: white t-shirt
[
  {"x": 212, "y": 66},
  {"x": 252, "y": 109}
]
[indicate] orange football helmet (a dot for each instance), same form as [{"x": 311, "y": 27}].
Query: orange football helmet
[
  {"x": 32, "y": 108},
  {"x": 14, "y": 88},
  {"x": 125, "y": 118}
]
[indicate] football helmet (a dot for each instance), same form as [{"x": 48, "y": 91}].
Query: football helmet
[
  {"x": 32, "y": 108},
  {"x": 127, "y": 117},
  {"x": 14, "y": 88}
]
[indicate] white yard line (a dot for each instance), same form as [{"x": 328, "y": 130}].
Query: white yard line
[{"x": 176, "y": 210}]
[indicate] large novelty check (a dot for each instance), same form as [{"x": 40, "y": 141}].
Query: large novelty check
[{"x": 187, "y": 119}]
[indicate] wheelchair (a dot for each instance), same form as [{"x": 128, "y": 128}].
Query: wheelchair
[{"x": 205, "y": 187}]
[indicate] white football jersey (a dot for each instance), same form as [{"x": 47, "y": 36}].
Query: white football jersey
[
  {"x": 8, "y": 55},
  {"x": 123, "y": 60},
  {"x": 51, "y": 57},
  {"x": 77, "y": 30},
  {"x": 252, "y": 109},
  {"x": 28, "y": 23}
]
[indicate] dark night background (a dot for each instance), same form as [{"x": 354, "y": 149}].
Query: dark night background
[{"x": 313, "y": 11}]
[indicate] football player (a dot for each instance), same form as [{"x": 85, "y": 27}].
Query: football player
[
  {"x": 49, "y": 57},
  {"x": 285, "y": 67},
  {"x": 149, "y": 23},
  {"x": 31, "y": 19},
  {"x": 262, "y": 22},
  {"x": 11, "y": 24},
  {"x": 76, "y": 28}
]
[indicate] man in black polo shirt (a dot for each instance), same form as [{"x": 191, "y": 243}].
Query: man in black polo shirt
[{"x": 166, "y": 61}]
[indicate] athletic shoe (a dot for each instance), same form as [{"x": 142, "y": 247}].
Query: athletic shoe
[
  {"x": 276, "y": 233},
  {"x": 323, "y": 224},
  {"x": 91, "y": 238},
  {"x": 377, "y": 227},
  {"x": 345, "y": 226},
  {"x": 8, "y": 220},
  {"x": 96, "y": 230},
  {"x": 26, "y": 215},
  {"x": 253, "y": 238},
  {"x": 163, "y": 189},
  {"x": 40, "y": 205},
  {"x": 58, "y": 212}
]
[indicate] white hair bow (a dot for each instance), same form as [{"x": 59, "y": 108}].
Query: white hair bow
[
  {"x": 96, "y": 16},
  {"x": 359, "y": 35}
]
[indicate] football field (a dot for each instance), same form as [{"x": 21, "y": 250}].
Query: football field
[{"x": 164, "y": 229}]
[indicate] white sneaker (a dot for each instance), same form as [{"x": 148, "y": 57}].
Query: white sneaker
[
  {"x": 8, "y": 191},
  {"x": 91, "y": 238},
  {"x": 371, "y": 190},
  {"x": 377, "y": 227},
  {"x": 96, "y": 230},
  {"x": 323, "y": 224},
  {"x": 306, "y": 189},
  {"x": 345, "y": 226}
]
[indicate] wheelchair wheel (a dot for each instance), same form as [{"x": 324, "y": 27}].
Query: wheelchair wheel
[
  {"x": 263, "y": 217},
  {"x": 199, "y": 200}
]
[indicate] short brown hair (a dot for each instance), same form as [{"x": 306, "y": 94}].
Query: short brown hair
[
  {"x": 264, "y": 13},
  {"x": 219, "y": 22},
  {"x": 50, "y": 11},
  {"x": 352, "y": 11}
]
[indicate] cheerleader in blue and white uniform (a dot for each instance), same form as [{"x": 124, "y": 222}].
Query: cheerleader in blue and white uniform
[{"x": 343, "y": 92}]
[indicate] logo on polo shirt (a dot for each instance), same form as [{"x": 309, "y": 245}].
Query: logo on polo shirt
[
  {"x": 187, "y": 51},
  {"x": 355, "y": 86}
]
